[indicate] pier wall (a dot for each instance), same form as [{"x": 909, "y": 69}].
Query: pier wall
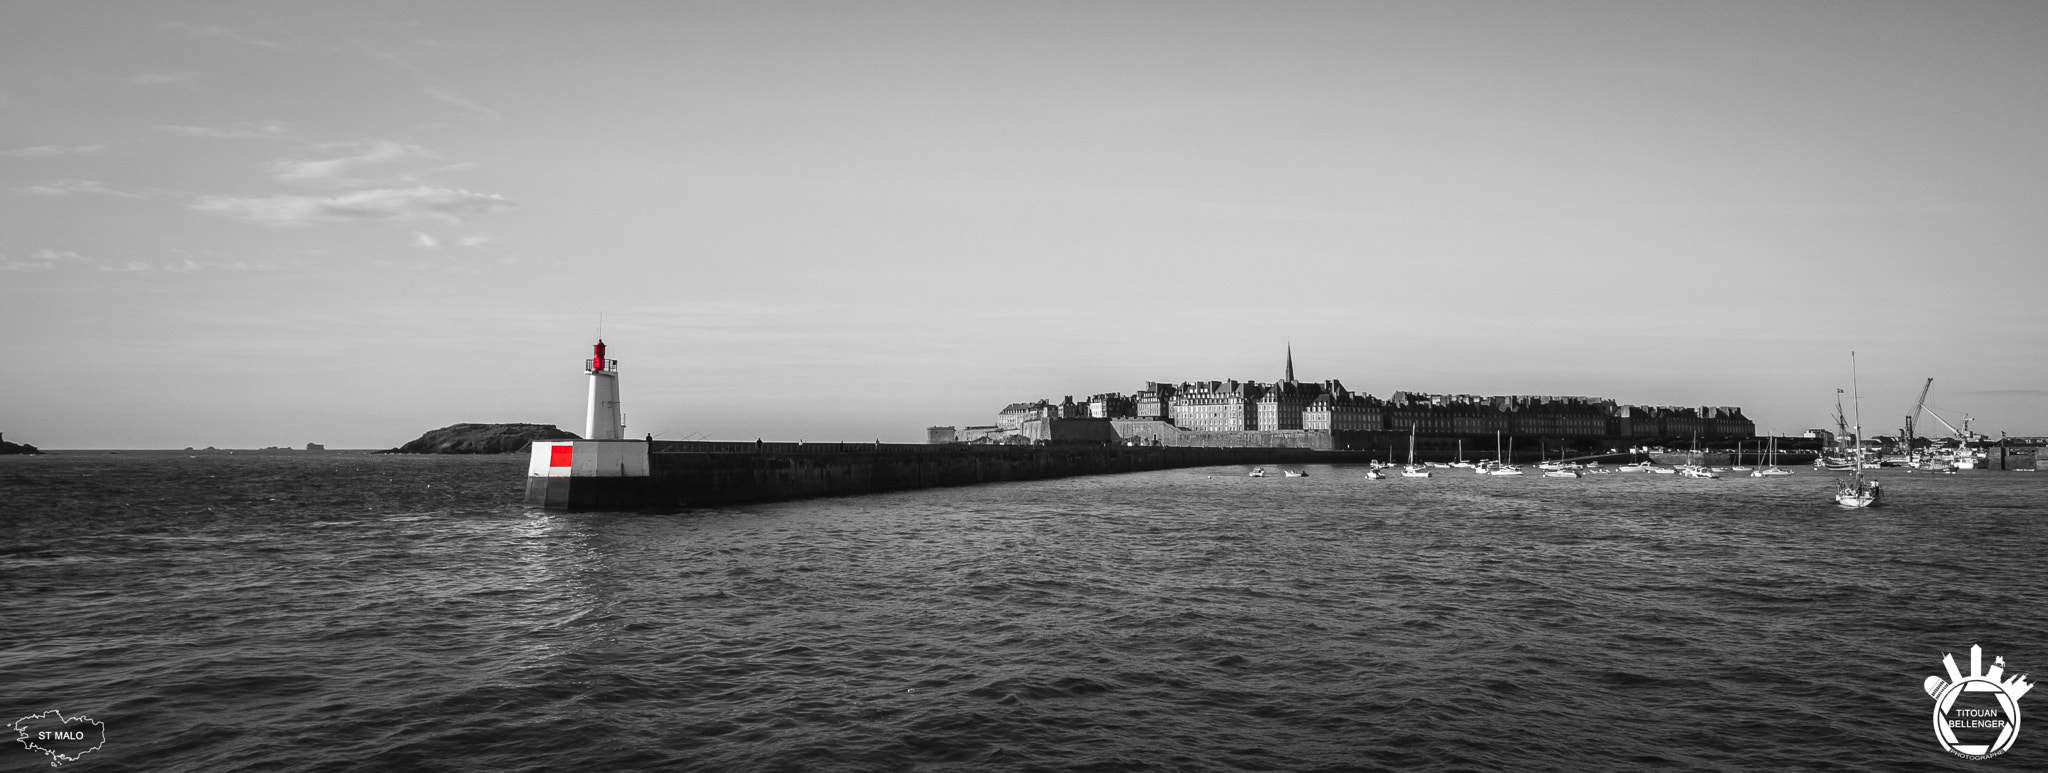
[
  {"x": 674, "y": 474},
  {"x": 1161, "y": 433},
  {"x": 1393, "y": 446},
  {"x": 2012, "y": 458}
]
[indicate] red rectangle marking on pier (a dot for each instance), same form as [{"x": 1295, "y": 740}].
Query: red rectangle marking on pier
[{"x": 559, "y": 456}]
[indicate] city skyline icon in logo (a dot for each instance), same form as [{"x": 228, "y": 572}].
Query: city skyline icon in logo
[{"x": 1960, "y": 703}]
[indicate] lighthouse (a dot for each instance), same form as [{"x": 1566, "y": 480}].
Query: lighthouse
[{"x": 603, "y": 421}]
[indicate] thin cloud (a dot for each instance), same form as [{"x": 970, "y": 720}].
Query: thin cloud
[
  {"x": 188, "y": 80},
  {"x": 475, "y": 241},
  {"x": 79, "y": 188},
  {"x": 44, "y": 151},
  {"x": 417, "y": 203},
  {"x": 354, "y": 154},
  {"x": 237, "y": 131},
  {"x": 423, "y": 239},
  {"x": 449, "y": 96},
  {"x": 188, "y": 265},
  {"x": 440, "y": 89},
  {"x": 218, "y": 32},
  {"x": 130, "y": 267},
  {"x": 44, "y": 259}
]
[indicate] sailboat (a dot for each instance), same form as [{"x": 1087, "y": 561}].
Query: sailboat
[
  {"x": 1461, "y": 455},
  {"x": 1841, "y": 459},
  {"x": 1739, "y": 466},
  {"x": 1693, "y": 469},
  {"x": 1504, "y": 467},
  {"x": 1634, "y": 464},
  {"x": 1561, "y": 469},
  {"x": 1413, "y": 470},
  {"x": 1856, "y": 491},
  {"x": 1771, "y": 468}
]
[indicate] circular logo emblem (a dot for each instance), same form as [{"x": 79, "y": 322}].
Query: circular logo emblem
[{"x": 1976, "y": 714}]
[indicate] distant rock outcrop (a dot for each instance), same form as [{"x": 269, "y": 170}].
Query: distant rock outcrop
[
  {"x": 17, "y": 448},
  {"x": 483, "y": 439}
]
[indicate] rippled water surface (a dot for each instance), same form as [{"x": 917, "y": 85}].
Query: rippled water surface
[{"x": 356, "y": 612}]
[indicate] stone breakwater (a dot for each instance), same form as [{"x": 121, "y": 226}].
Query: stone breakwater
[{"x": 669, "y": 474}]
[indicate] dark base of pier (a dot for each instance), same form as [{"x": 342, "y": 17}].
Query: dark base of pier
[
  {"x": 696, "y": 474},
  {"x": 588, "y": 493}
]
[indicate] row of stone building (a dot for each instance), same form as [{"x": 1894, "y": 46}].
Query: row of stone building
[{"x": 1290, "y": 405}]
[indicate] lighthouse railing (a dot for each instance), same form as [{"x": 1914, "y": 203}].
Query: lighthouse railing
[{"x": 609, "y": 365}]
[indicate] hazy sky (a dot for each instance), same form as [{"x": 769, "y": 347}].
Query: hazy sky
[{"x": 248, "y": 224}]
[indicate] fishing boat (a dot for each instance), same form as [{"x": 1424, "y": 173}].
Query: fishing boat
[
  {"x": 1856, "y": 490},
  {"x": 1294, "y": 473},
  {"x": 1258, "y": 472},
  {"x": 1373, "y": 473},
  {"x": 1413, "y": 470},
  {"x": 1565, "y": 472}
]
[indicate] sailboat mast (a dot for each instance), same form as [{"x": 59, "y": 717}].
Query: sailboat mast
[{"x": 1856, "y": 405}]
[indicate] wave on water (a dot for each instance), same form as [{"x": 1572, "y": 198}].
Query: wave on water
[{"x": 358, "y": 612}]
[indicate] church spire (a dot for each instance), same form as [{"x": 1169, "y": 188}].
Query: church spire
[{"x": 1290, "y": 361}]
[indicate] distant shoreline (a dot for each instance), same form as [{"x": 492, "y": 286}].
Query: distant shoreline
[{"x": 214, "y": 452}]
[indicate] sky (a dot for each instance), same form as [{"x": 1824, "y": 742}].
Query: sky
[{"x": 247, "y": 224}]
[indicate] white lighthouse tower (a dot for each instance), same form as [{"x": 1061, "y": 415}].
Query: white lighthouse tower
[{"x": 604, "y": 421}]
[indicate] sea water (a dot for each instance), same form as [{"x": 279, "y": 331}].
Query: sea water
[{"x": 338, "y": 611}]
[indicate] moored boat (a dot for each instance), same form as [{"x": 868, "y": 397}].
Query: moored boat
[
  {"x": 1413, "y": 470},
  {"x": 1771, "y": 468},
  {"x": 1856, "y": 490}
]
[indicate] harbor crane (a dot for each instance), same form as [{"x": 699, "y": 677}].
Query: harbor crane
[
  {"x": 1921, "y": 407},
  {"x": 1918, "y": 406}
]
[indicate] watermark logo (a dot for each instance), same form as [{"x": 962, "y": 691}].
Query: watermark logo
[
  {"x": 65, "y": 739},
  {"x": 1976, "y": 715}
]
